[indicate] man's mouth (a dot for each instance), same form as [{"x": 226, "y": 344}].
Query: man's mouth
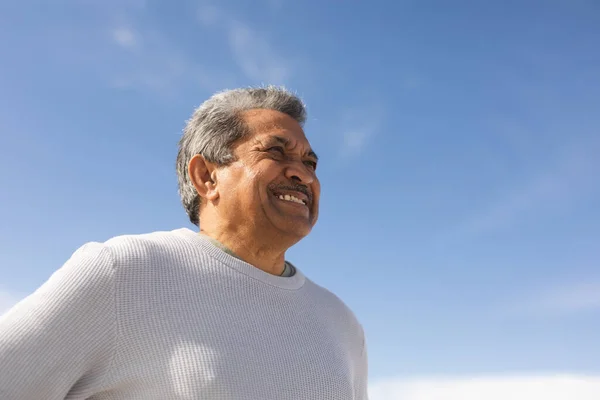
[
  {"x": 298, "y": 194},
  {"x": 292, "y": 198}
]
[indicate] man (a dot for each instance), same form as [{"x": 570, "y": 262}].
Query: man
[{"x": 216, "y": 314}]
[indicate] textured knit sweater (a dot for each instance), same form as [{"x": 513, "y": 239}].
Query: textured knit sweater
[{"x": 169, "y": 315}]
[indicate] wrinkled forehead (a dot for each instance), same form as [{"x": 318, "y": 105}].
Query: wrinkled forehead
[{"x": 270, "y": 124}]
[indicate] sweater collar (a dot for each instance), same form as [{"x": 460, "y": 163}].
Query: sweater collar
[{"x": 285, "y": 282}]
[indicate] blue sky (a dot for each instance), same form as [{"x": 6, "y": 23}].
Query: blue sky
[{"x": 460, "y": 214}]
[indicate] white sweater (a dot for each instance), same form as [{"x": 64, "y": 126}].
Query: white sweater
[{"x": 169, "y": 315}]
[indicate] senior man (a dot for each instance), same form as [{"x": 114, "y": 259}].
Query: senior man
[{"x": 216, "y": 314}]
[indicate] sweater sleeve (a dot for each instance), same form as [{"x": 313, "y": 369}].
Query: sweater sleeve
[{"x": 58, "y": 340}]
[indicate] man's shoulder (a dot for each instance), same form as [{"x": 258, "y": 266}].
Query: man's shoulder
[
  {"x": 325, "y": 294},
  {"x": 333, "y": 304},
  {"x": 159, "y": 245}
]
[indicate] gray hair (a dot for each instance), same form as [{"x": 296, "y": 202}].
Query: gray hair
[{"x": 217, "y": 124}]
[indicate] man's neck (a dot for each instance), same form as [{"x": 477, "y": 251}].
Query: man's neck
[{"x": 266, "y": 259}]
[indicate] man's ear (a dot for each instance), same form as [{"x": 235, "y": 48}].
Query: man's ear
[{"x": 204, "y": 178}]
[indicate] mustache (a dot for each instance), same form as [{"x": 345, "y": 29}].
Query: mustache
[{"x": 294, "y": 187}]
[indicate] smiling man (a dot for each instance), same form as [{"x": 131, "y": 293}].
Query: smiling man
[{"x": 216, "y": 314}]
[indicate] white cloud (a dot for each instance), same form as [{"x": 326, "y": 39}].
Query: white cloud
[
  {"x": 152, "y": 62},
  {"x": 209, "y": 15},
  {"x": 542, "y": 387},
  {"x": 125, "y": 37},
  {"x": 359, "y": 126},
  {"x": 158, "y": 65},
  {"x": 255, "y": 56},
  {"x": 355, "y": 140},
  {"x": 559, "y": 301},
  {"x": 251, "y": 50},
  {"x": 575, "y": 298},
  {"x": 570, "y": 177},
  {"x": 150, "y": 71}
]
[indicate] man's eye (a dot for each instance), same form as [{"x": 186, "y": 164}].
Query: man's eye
[
  {"x": 277, "y": 149},
  {"x": 311, "y": 164}
]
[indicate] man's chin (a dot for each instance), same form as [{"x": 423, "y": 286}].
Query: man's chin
[
  {"x": 291, "y": 220},
  {"x": 296, "y": 228}
]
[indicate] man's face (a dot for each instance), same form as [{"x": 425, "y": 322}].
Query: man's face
[{"x": 272, "y": 185}]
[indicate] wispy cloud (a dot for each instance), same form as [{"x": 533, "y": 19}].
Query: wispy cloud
[
  {"x": 154, "y": 63},
  {"x": 546, "y": 387},
  {"x": 150, "y": 61},
  {"x": 355, "y": 139},
  {"x": 359, "y": 126},
  {"x": 255, "y": 56},
  {"x": 558, "y": 186},
  {"x": 559, "y": 301},
  {"x": 251, "y": 50},
  {"x": 144, "y": 58},
  {"x": 125, "y": 37},
  {"x": 209, "y": 15},
  {"x": 581, "y": 297}
]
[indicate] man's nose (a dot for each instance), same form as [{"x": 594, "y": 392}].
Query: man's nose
[{"x": 298, "y": 172}]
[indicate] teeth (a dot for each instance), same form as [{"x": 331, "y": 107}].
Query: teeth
[{"x": 287, "y": 197}]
